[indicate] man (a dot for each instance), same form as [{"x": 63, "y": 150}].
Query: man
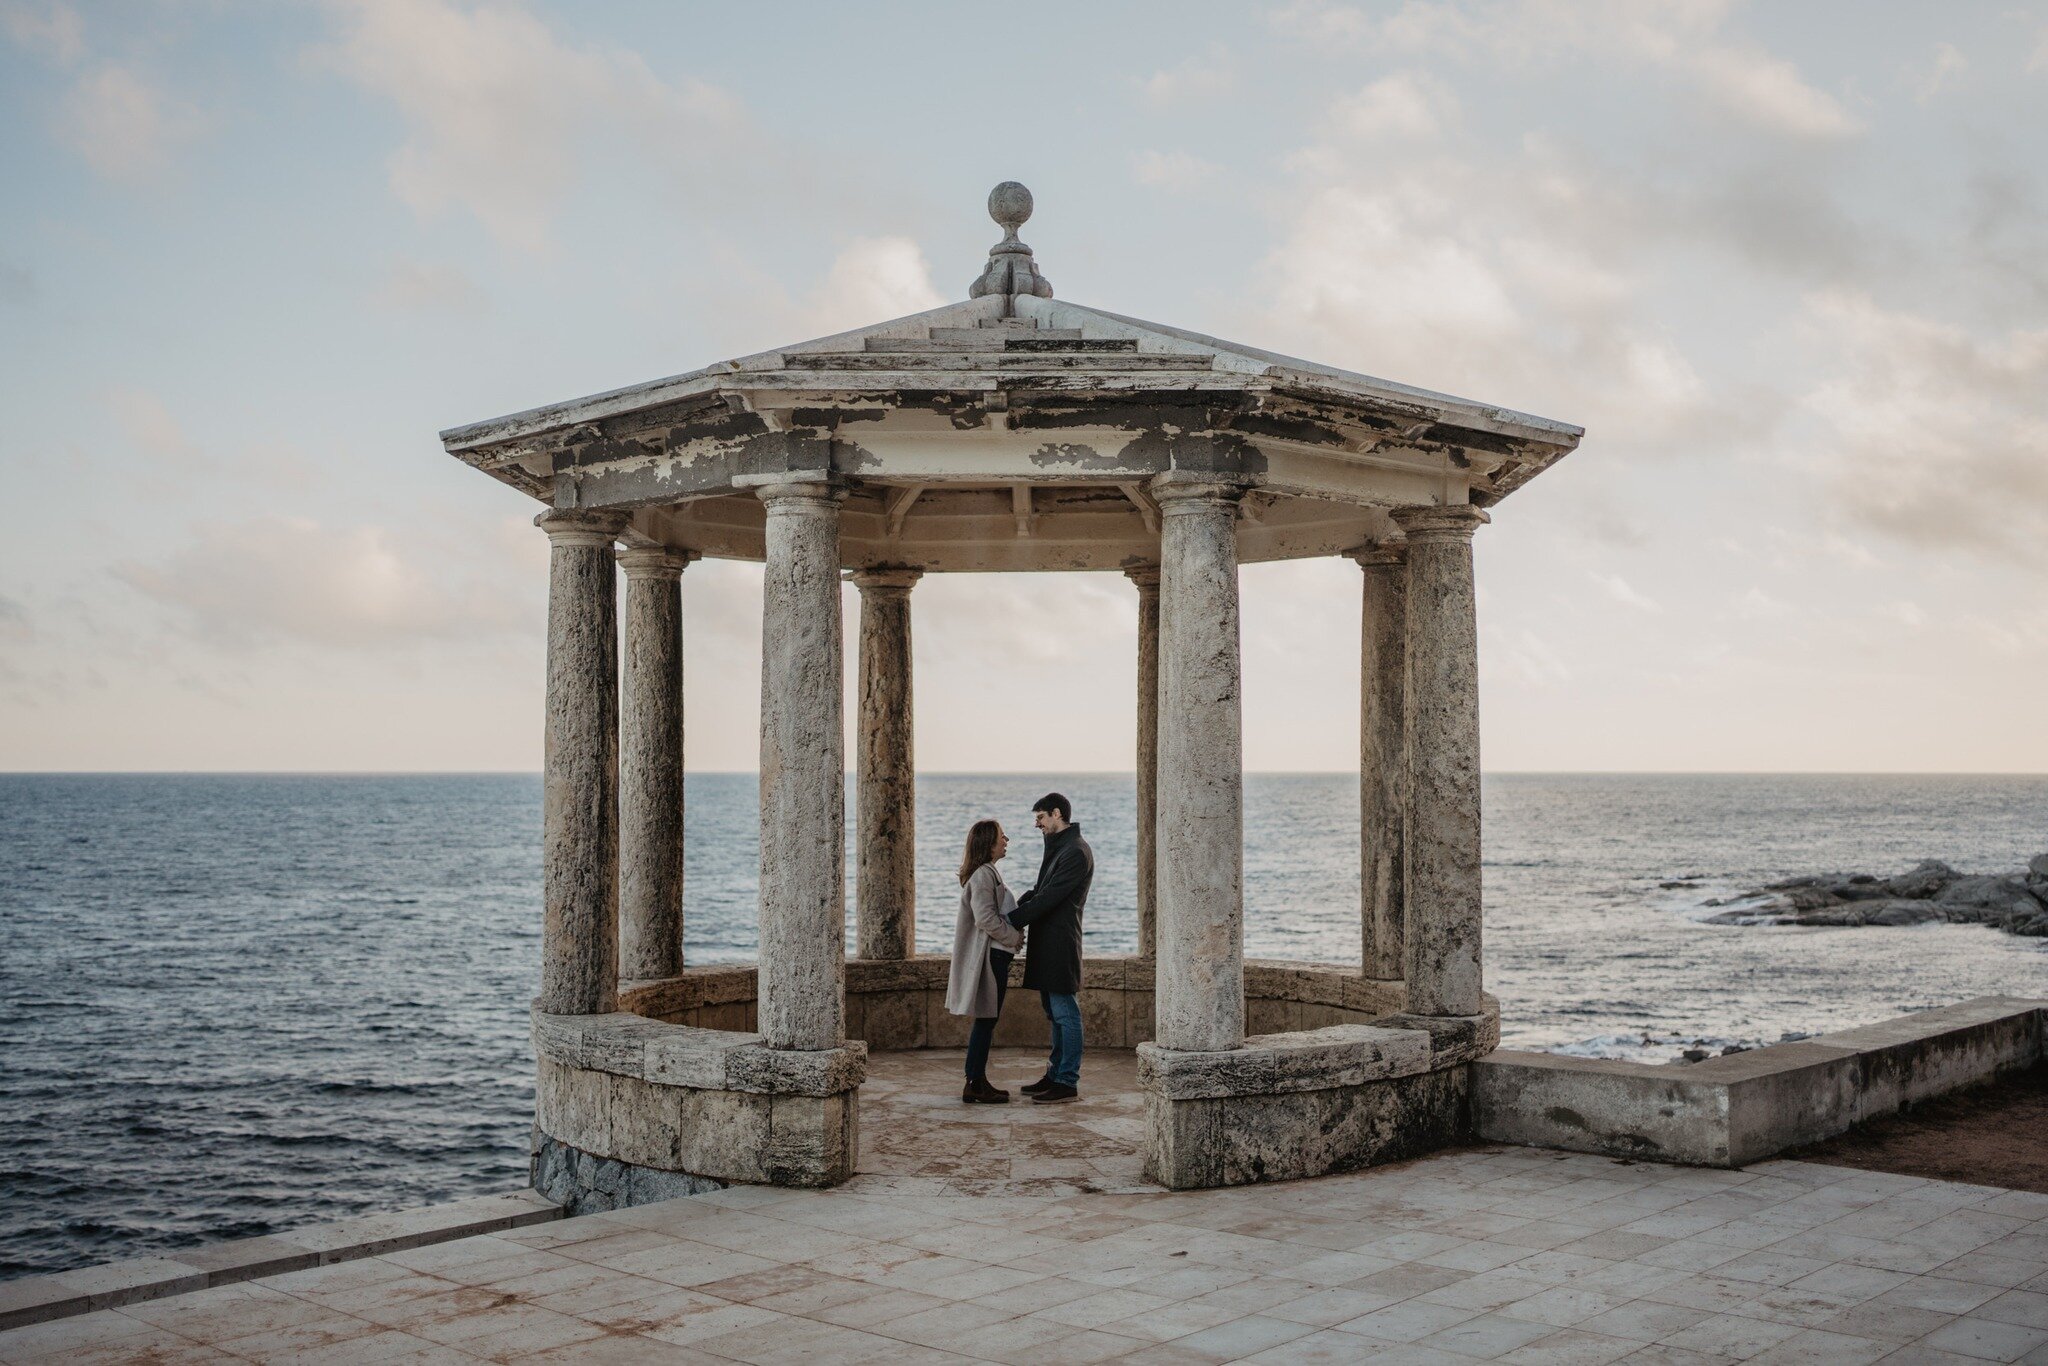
[{"x": 1050, "y": 916}]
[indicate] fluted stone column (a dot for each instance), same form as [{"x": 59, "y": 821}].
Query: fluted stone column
[
  {"x": 1443, "y": 903},
  {"x": 1383, "y": 759},
  {"x": 651, "y": 767},
  {"x": 803, "y": 772},
  {"x": 1147, "y": 581},
  {"x": 886, "y": 793},
  {"x": 1200, "y": 865},
  {"x": 579, "y": 966}
]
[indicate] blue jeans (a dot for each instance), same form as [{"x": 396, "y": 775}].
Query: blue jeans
[
  {"x": 985, "y": 1026},
  {"x": 1063, "y": 1063}
]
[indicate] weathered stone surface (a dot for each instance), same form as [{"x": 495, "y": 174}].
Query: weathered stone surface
[
  {"x": 886, "y": 769},
  {"x": 1200, "y": 987},
  {"x": 803, "y": 768},
  {"x": 1192, "y": 1144},
  {"x": 681, "y": 1055},
  {"x": 812, "y": 1140},
  {"x": 1383, "y": 760},
  {"x": 583, "y": 1183},
  {"x": 926, "y": 972},
  {"x": 793, "y": 1072},
  {"x": 1146, "y": 580},
  {"x": 1442, "y": 919},
  {"x": 1453, "y": 1038},
  {"x": 694, "y": 1057},
  {"x": 580, "y": 770},
  {"x": 651, "y": 768},
  {"x": 1269, "y": 1064},
  {"x": 1742, "y": 1108}
]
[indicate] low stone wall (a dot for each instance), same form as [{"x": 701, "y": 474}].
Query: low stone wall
[
  {"x": 628, "y": 1109},
  {"x": 1310, "y": 1102},
  {"x": 901, "y": 1003},
  {"x": 1731, "y": 1111}
]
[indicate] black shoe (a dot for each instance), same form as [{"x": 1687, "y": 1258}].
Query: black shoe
[
  {"x": 1054, "y": 1094},
  {"x": 981, "y": 1093},
  {"x": 1035, "y": 1087}
]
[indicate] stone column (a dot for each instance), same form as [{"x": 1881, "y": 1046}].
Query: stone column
[
  {"x": 1443, "y": 905},
  {"x": 1383, "y": 758},
  {"x": 803, "y": 772},
  {"x": 651, "y": 768},
  {"x": 1147, "y": 581},
  {"x": 579, "y": 964},
  {"x": 1200, "y": 863},
  {"x": 885, "y": 820}
]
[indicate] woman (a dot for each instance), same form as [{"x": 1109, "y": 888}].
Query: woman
[{"x": 983, "y": 943}]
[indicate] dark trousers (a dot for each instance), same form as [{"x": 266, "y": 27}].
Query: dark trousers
[{"x": 985, "y": 1027}]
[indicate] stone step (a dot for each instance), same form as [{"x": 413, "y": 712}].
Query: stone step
[{"x": 1108, "y": 361}]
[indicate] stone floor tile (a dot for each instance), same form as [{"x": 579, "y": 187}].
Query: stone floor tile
[
  {"x": 946, "y": 1323},
  {"x": 70, "y": 1334},
  {"x": 1559, "y": 1267},
  {"x": 1987, "y": 1269},
  {"x": 1731, "y": 1335},
  {"x": 225, "y": 1311},
  {"x": 1174, "y": 1320},
  {"x": 1800, "y": 1308},
  {"x": 1106, "y": 1307},
  {"x": 1191, "y": 1282},
  {"x": 153, "y": 1345},
  {"x": 1661, "y": 1354},
  {"x": 1858, "y": 1283},
  {"x": 1476, "y": 1256},
  {"x": 1242, "y": 1337},
  {"x": 2016, "y": 1306},
  {"x": 385, "y": 1347},
  {"x": 1046, "y": 1292},
  {"x": 496, "y": 1328},
  {"x": 1919, "y": 1354},
  {"x": 1488, "y": 1336},
  {"x": 1815, "y": 1347},
  {"x": 1689, "y": 1254},
  {"x": 695, "y": 1323},
  {"x": 1886, "y": 1322},
  {"x": 1769, "y": 1268},
  {"x": 1334, "y": 1268},
  {"x": 688, "y": 1264},
  {"x": 1571, "y": 1347},
  {"x": 1408, "y": 1321},
  {"x": 785, "y": 1341},
  {"x": 1324, "y": 1347},
  {"x": 329, "y": 1335},
  {"x": 1561, "y": 1306},
  {"x": 1493, "y": 1291},
  {"x": 1025, "y": 1341},
  {"x": 624, "y": 1350},
  {"x": 1704, "y": 1292},
  {"x": 1644, "y": 1320},
  {"x": 1941, "y": 1294},
  {"x": 1411, "y": 1280},
  {"x": 1332, "y": 1305},
  {"x": 1986, "y": 1339},
  {"x": 884, "y": 1306}
]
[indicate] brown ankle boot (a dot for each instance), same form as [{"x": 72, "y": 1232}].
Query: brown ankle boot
[{"x": 979, "y": 1092}]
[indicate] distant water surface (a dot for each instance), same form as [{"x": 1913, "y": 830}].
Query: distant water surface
[{"x": 235, "y": 1004}]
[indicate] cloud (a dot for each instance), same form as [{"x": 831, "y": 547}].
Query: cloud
[
  {"x": 427, "y": 287},
  {"x": 1680, "y": 37},
  {"x": 1172, "y": 170},
  {"x": 500, "y": 112},
  {"x": 290, "y": 579},
  {"x": 872, "y": 279},
  {"x": 1198, "y": 78},
  {"x": 1404, "y": 105},
  {"x": 14, "y": 623},
  {"x": 124, "y": 126},
  {"x": 1931, "y": 434},
  {"x": 1942, "y": 68},
  {"x": 54, "y": 31},
  {"x": 1623, "y": 592}
]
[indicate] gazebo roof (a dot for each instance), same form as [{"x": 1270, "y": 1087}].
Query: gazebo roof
[{"x": 1016, "y": 390}]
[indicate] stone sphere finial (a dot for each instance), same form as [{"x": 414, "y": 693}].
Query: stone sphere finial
[
  {"x": 1010, "y": 270},
  {"x": 1010, "y": 205}
]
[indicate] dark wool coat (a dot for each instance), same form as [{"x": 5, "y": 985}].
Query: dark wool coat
[{"x": 1050, "y": 914}]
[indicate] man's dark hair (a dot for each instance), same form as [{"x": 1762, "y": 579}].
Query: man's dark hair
[{"x": 1055, "y": 803}]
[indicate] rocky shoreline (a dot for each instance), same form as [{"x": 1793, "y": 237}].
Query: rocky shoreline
[{"x": 1932, "y": 891}]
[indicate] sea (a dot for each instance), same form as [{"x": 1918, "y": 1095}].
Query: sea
[{"x": 235, "y": 1004}]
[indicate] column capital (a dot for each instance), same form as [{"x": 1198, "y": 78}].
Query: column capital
[
  {"x": 1146, "y": 576},
  {"x": 795, "y": 492},
  {"x": 885, "y": 578},
  {"x": 655, "y": 562},
  {"x": 1450, "y": 522},
  {"x": 582, "y": 526},
  {"x": 1376, "y": 553},
  {"x": 1187, "y": 490}
]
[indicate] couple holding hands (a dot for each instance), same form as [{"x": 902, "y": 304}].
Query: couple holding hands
[{"x": 994, "y": 925}]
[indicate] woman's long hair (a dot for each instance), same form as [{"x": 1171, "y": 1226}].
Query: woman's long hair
[{"x": 981, "y": 847}]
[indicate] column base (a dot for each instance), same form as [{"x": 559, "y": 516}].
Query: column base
[
  {"x": 1308, "y": 1103},
  {"x": 674, "y": 1109}
]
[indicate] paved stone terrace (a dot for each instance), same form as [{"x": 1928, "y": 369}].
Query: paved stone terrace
[{"x": 1496, "y": 1254}]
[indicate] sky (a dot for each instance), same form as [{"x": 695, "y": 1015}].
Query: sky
[{"x": 1787, "y": 265}]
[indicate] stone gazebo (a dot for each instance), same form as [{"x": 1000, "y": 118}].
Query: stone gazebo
[{"x": 1013, "y": 431}]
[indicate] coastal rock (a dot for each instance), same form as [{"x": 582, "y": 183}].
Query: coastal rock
[{"x": 1931, "y": 891}]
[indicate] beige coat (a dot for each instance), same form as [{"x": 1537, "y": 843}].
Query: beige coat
[{"x": 984, "y": 903}]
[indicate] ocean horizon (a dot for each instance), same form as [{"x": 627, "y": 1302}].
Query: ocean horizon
[{"x": 239, "y": 1002}]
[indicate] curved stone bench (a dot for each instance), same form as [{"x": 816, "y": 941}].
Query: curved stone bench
[{"x": 676, "y": 1093}]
